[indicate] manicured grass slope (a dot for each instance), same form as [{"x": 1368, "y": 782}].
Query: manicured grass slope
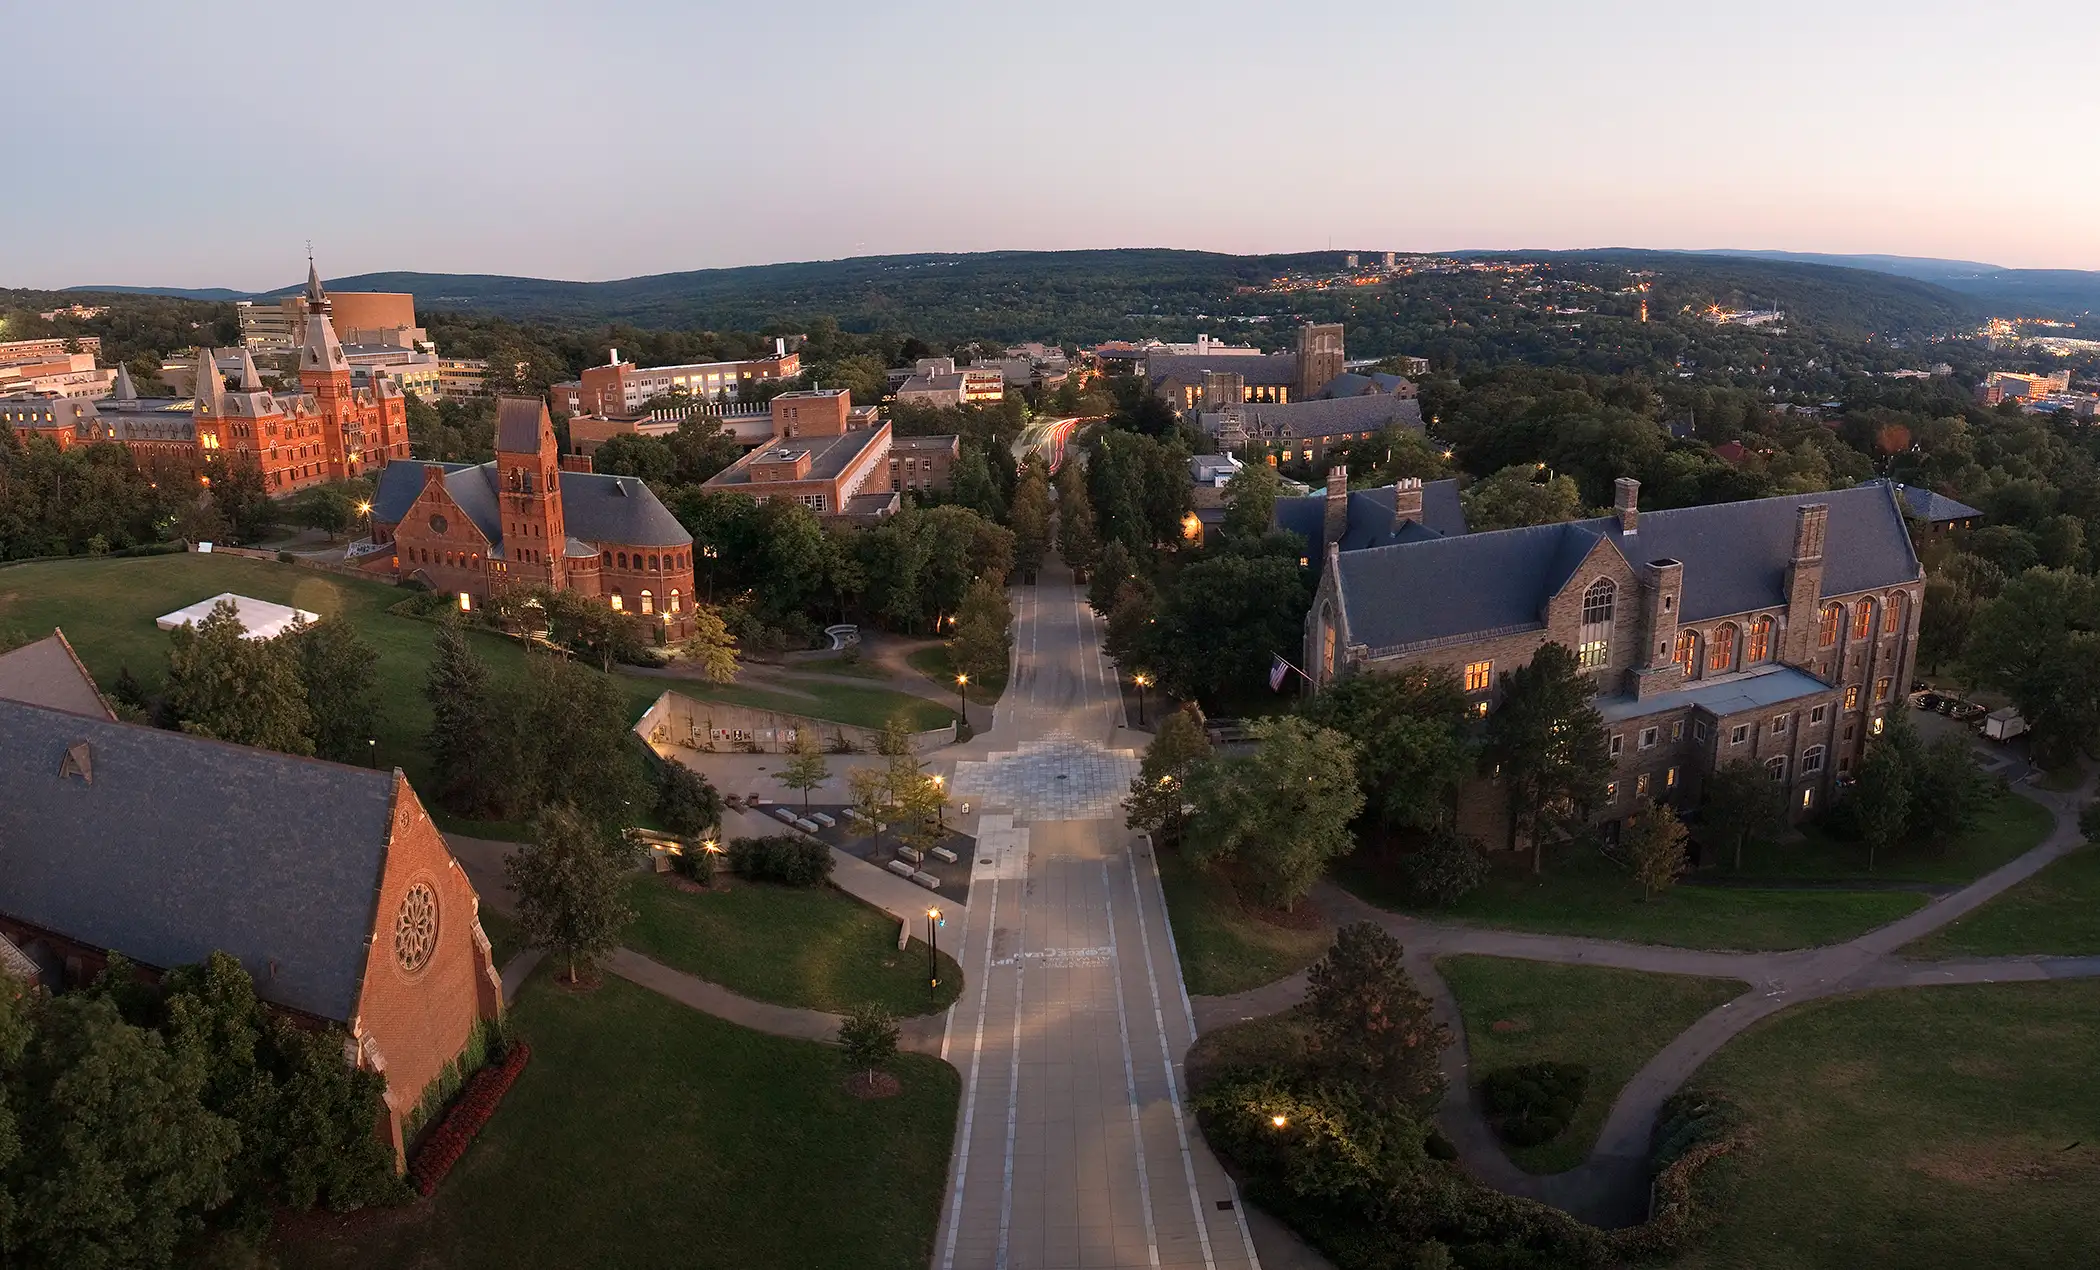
[
  {"x": 869, "y": 707},
  {"x": 2055, "y": 912},
  {"x": 935, "y": 665},
  {"x": 645, "y": 1134},
  {"x": 2008, "y": 827},
  {"x": 1921, "y": 1129},
  {"x": 1610, "y": 1021},
  {"x": 1225, "y": 949},
  {"x": 817, "y": 948}
]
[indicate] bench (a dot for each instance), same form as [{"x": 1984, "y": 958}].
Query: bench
[
  {"x": 943, "y": 854},
  {"x": 907, "y": 853},
  {"x": 783, "y": 815},
  {"x": 805, "y": 825},
  {"x": 823, "y": 820},
  {"x": 927, "y": 880},
  {"x": 902, "y": 870}
]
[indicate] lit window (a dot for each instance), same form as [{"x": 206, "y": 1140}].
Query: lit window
[
  {"x": 1760, "y": 645},
  {"x": 1863, "y": 619},
  {"x": 1828, "y": 635},
  {"x": 1611, "y": 792},
  {"x": 1808, "y": 798},
  {"x": 1479, "y": 675},
  {"x": 1640, "y": 785},
  {"x": 1687, "y": 652},
  {"x": 1852, "y": 696},
  {"x": 648, "y": 603},
  {"x": 674, "y": 599},
  {"x": 1721, "y": 655},
  {"x": 1739, "y": 734},
  {"x": 1677, "y": 730},
  {"x": 1874, "y": 727},
  {"x": 1812, "y": 759},
  {"x": 1892, "y": 624},
  {"x": 1881, "y": 690},
  {"x": 1592, "y": 653},
  {"x": 617, "y": 603},
  {"x": 1670, "y": 779},
  {"x": 1647, "y": 738},
  {"x": 1480, "y": 708}
]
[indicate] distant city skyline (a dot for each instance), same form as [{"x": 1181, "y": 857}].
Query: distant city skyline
[{"x": 647, "y": 137}]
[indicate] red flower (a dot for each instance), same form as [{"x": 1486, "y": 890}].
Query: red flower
[{"x": 444, "y": 1146}]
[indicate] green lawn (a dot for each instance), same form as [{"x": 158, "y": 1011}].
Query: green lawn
[
  {"x": 645, "y": 1134},
  {"x": 505, "y": 939},
  {"x": 1611, "y": 1021},
  {"x": 1224, "y": 948},
  {"x": 1581, "y": 893},
  {"x": 1935, "y": 1128},
  {"x": 818, "y": 948},
  {"x": 2055, "y": 912},
  {"x": 840, "y": 664},
  {"x": 933, "y": 663},
  {"x": 2009, "y": 827},
  {"x": 869, "y": 707}
]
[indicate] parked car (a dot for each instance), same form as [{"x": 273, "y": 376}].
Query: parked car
[
  {"x": 1965, "y": 711},
  {"x": 1926, "y": 700}
]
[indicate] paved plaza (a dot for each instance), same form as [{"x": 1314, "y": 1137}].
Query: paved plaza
[{"x": 1058, "y": 777}]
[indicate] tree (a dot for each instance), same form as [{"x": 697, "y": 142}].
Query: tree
[
  {"x": 807, "y": 769},
  {"x": 119, "y": 1158},
  {"x": 869, "y": 790},
  {"x": 710, "y": 647},
  {"x": 223, "y": 684},
  {"x": 465, "y": 749},
  {"x": 1655, "y": 844},
  {"x": 1947, "y": 792},
  {"x": 1224, "y": 619},
  {"x": 2039, "y": 642},
  {"x": 632, "y": 454},
  {"x": 1881, "y": 798},
  {"x": 1159, "y": 792},
  {"x": 1076, "y": 540},
  {"x": 1029, "y": 516},
  {"x": 574, "y": 743},
  {"x": 687, "y": 802},
  {"x": 340, "y": 673},
  {"x": 1370, "y": 1024},
  {"x": 329, "y": 508},
  {"x": 1414, "y": 745},
  {"x": 868, "y": 1037},
  {"x": 983, "y": 639},
  {"x": 1250, "y": 501},
  {"x": 1281, "y": 813},
  {"x": 1517, "y": 496},
  {"x": 1546, "y": 743},
  {"x": 1741, "y": 801},
  {"x": 971, "y": 485},
  {"x": 571, "y": 881},
  {"x": 1445, "y": 869}
]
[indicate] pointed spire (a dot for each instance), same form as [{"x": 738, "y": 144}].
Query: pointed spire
[
  {"x": 211, "y": 390},
  {"x": 251, "y": 378},
  {"x": 122, "y": 388},
  {"x": 316, "y": 298}
]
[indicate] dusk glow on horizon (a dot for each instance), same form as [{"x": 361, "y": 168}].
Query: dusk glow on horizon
[{"x": 646, "y": 137}]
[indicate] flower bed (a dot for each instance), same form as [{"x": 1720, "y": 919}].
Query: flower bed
[{"x": 483, "y": 1094}]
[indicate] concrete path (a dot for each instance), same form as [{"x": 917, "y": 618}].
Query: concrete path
[
  {"x": 1075, "y": 1147},
  {"x": 1610, "y": 1188}
]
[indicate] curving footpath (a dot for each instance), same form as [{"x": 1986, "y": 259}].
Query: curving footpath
[{"x": 1610, "y": 1189}]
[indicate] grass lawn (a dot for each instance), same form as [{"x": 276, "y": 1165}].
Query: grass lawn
[
  {"x": 869, "y": 707},
  {"x": 107, "y": 607},
  {"x": 2009, "y": 826},
  {"x": 2062, "y": 780},
  {"x": 1581, "y": 893},
  {"x": 840, "y": 664},
  {"x": 1225, "y": 948},
  {"x": 505, "y": 939},
  {"x": 1611, "y": 1021},
  {"x": 818, "y": 948},
  {"x": 645, "y": 1134},
  {"x": 1922, "y": 1129},
  {"x": 933, "y": 663},
  {"x": 2055, "y": 912}
]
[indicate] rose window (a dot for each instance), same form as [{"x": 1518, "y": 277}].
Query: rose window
[{"x": 415, "y": 929}]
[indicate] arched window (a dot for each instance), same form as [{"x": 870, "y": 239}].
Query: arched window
[
  {"x": 648, "y": 604},
  {"x": 1688, "y": 652},
  {"x": 652, "y": 564},
  {"x": 620, "y": 558},
  {"x": 1828, "y": 635},
  {"x": 1593, "y": 644},
  {"x": 617, "y": 604},
  {"x": 1776, "y": 769},
  {"x": 1760, "y": 645},
  {"x": 1812, "y": 760},
  {"x": 1892, "y": 624},
  {"x": 1863, "y": 619},
  {"x": 674, "y": 599},
  {"x": 1721, "y": 655}
]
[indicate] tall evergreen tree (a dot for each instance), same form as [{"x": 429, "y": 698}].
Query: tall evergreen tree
[
  {"x": 1546, "y": 741},
  {"x": 464, "y": 748},
  {"x": 340, "y": 673}
]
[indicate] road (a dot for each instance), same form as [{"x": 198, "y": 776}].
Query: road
[{"x": 1074, "y": 1148}]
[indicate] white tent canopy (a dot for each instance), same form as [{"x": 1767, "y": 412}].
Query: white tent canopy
[{"x": 262, "y": 619}]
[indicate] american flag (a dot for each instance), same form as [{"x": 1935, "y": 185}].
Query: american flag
[{"x": 1278, "y": 668}]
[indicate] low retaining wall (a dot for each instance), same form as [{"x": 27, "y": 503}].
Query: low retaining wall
[{"x": 676, "y": 719}]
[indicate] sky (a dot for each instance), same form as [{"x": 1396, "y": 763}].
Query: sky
[{"x": 204, "y": 143}]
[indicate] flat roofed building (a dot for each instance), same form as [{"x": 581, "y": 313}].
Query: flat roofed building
[
  {"x": 622, "y": 388},
  {"x": 824, "y": 473}
]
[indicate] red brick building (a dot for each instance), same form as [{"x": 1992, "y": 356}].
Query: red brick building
[
  {"x": 525, "y": 520},
  {"x": 622, "y": 388},
  {"x": 328, "y": 883}
]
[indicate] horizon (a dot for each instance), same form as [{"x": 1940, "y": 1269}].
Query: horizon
[{"x": 661, "y": 139}]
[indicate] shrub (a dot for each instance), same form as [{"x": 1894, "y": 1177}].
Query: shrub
[
  {"x": 1532, "y": 1103},
  {"x": 696, "y": 863},
  {"x": 286, "y": 557},
  {"x": 868, "y": 1035},
  {"x": 1444, "y": 870},
  {"x": 442, "y": 1149},
  {"x": 1693, "y": 1130},
  {"x": 686, "y": 803},
  {"x": 1438, "y": 1147},
  {"x": 781, "y": 858}
]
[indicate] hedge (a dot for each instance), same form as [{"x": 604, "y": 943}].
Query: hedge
[{"x": 448, "y": 1142}]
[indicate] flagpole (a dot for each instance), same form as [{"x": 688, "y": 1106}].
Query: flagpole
[{"x": 1285, "y": 662}]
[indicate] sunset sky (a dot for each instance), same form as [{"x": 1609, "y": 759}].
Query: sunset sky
[{"x": 203, "y": 145}]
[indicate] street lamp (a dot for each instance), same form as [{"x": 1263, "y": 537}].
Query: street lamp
[
  {"x": 1141, "y": 679},
  {"x": 1279, "y": 1121},
  {"x": 940, "y": 804},
  {"x": 364, "y": 509},
  {"x": 372, "y": 752},
  {"x": 962, "y": 688},
  {"x": 933, "y": 966}
]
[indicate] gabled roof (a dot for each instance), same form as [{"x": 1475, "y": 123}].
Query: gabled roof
[
  {"x": 1351, "y": 384},
  {"x": 596, "y": 507},
  {"x": 49, "y": 673},
  {"x": 518, "y": 424},
  {"x": 1323, "y": 417},
  {"x": 1371, "y": 517},
  {"x": 1270, "y": 370},
  {"x": 1735, "y": 557},
  {"x": 180, "y": 845},
  {"x": 1932, "y": 508}
]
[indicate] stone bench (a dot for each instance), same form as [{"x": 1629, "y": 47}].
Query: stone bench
[
  {"x": 902, "y": 870},
  {"x": 907, "y": 853},
  {"x": 927, "y": 880},
  {"x": 943, "y": 854}
]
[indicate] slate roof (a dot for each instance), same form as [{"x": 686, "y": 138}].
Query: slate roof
[
  {"x": 1351, "y": 384},
  {"x": 1932, "y": 508},
  {"x": 518, "y": 424},
  {"x": 1734, "y": 554},
  {"x": 597, "y": 507},
  {"x": 47, "y": 673},
  {"x": 1321, "y": 417},
  {"x": 1270, "y": 370},
  {"x": 1371, "y": 517},
  {"x": 183, "y": 845}
]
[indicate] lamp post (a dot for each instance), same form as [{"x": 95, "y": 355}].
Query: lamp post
[
  {"x": 962, "y": 689},
  {"x": 933, "y": 965},
  {"x": 1141, "y": 679},
  {"x": 940, "y": 803},
  {"x": 365, "y": 510},
  {"x": 372, "y": 752}
]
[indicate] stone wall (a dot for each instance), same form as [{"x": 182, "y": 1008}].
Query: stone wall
[{"x": 678, "y": 720}]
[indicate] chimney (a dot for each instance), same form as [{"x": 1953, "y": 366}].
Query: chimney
[
  {"x": 1809, "y": 524},
  {"x": 780, "y": 346},
  {"x": 1804, "y": 585},
  {"x": 1655, "y": 669},
  {"x": 1407, "y": 501},
  {"x": 1337, "y": 505},
  {"x": 433, "y": 474},
  {"x": 1626, "y": 497},
  {"x": 613, "y": 358}
]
